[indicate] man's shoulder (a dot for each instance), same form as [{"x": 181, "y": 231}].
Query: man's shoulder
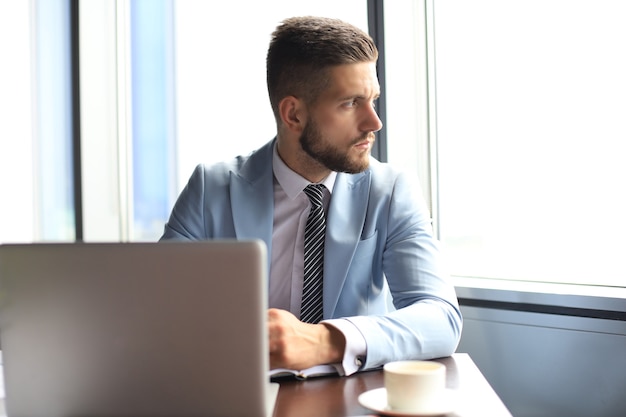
[
  {"x": 384, "y": 171},
  {"x": 380, "y": 177},
  {"x": 386, "y": 178}
]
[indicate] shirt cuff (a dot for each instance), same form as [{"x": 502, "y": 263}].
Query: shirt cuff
[{"x": 356, "y": 347}]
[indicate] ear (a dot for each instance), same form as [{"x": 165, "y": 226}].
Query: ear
[{"x": 292, "y": 113}]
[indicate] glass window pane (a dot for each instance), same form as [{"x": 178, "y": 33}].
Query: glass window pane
[
  {"x": 153, "y": 117},
  {"x": 16, "y": 176},
  {"x": 103, "y": 122},
  {"x": 530, "y": 112},
  {"x": 36, "y": 128},
  {"x": 406, "y": 85},
  {"x": 53, "y": 121}
]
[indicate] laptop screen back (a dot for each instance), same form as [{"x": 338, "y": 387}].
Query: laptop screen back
[{"x": 134, "y": 329}]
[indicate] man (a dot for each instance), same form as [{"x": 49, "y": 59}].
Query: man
[{"x": 322, "y": 83}]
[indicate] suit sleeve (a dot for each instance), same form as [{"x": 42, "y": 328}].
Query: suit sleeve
[{"x": 426, "y": 322}]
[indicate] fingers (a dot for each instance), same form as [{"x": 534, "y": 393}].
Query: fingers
[
  {"x": 292, "y": 343},
  {"x": 277, "y": 335}
]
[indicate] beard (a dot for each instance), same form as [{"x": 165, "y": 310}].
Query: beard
[{"x": 320, "y": 148}]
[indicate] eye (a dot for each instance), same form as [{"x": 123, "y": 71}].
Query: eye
[{"x": 351, "y": 103}]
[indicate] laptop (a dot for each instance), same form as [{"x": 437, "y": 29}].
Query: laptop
[{"x": 135, "y": 329}]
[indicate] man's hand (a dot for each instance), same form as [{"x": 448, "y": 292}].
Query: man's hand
[{"x": 297, "y": 345}]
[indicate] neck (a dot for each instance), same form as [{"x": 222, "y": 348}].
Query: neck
[{"x": 299, "y": 161}]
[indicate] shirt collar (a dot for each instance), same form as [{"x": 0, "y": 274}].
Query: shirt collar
[{"x": 292, "y": 182}]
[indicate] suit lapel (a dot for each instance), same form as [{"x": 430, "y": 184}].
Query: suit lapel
[
  {"x": 252, "y": 198},
  {"x": 346, "y": 216},
  {"x": 252, "y": 201}
]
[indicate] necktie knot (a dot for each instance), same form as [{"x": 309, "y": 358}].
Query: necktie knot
[{"x": 315, "y": 192}]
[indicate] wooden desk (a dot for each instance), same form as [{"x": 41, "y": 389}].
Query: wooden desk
[{"x": 338, "y": 396}]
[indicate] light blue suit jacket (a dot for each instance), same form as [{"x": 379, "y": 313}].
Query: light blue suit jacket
[{"x": 378, "y": 239}]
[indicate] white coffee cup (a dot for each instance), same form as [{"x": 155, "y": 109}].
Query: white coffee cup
[{"x": 414, "y": 386}]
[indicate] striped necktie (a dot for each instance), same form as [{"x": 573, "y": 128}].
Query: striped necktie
[{"x": 312, "y": 310}]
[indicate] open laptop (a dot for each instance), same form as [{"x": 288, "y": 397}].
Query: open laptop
[{"x": 135, "y": 329}]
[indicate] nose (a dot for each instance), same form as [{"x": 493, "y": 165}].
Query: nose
[{"x": 371, "y": 121}]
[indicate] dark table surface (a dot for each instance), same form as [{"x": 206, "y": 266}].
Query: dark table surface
[{"x": 333, "y": 396}]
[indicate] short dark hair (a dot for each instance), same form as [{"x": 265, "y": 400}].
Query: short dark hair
[{"x": 302, "y": 50}]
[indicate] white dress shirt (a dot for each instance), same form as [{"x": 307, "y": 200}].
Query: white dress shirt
[{"x": 291, "y": 209}]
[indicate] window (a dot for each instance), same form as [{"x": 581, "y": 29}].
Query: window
[
  {"x": 15, "y": 113},
  {"x": 36, "y": 122},
  {"x": 513, "y": 123},
  {"x": 530, "y": 131},
  {"x": 408, "y": 62}
]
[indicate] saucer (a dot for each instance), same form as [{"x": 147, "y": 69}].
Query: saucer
[{"x": 376, "y": 400}]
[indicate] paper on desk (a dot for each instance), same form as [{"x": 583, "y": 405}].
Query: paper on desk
[{"x": 319, "y": 370}]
